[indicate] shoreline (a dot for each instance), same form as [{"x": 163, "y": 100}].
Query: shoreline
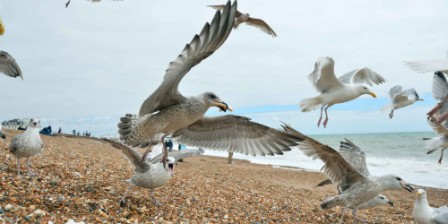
[{"x": 82, "y": 179}]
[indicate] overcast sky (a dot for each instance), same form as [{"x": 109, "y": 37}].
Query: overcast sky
[{"x": 86, "y": 65}]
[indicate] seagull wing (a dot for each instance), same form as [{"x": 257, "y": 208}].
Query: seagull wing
[
  {"x": 441, "y": 215},
  {"x": 395, "y": 91},
  {"x": 221, "y": 8},
  {"x": 132, "y": 154},
  {"x": 323, "y": 81},
  {"x": 439, "y": 86},
  {"x": 180, "y": 154},
  {"x": 428, "y": 66},
  {"x": 336, "y": 167},
  {"x": 262, "y": 25},
  {"x": 9, "y": 66},
  {"x": 363, "y": 75},
  {"x": 236, "y": 133},
  {"x": 355, "y": 156},
  {"x": 202, "y": 46}
]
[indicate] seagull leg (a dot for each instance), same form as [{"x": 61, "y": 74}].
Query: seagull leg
[
  {"x": 164, "y": 151},
  {"x": 229, "y": 159},
  {"x": 355, "y": 219},
  {"x": 342, "y": 216},
  {"x": 123, "y": 199},
  {"x": 441, "y": 156},
  {"x": 154, "y": 198},
  {"x": 28, "y": 164},
  {"x": 148, "y": 150},
  {"x": 18, "y": 167},
  {"x": 320, "y": 118},
  {"x": 391, "y": 114},
  {"x": 326, "y": 116}
]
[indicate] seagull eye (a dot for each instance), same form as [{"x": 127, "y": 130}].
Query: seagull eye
[
  {"x": 399, "y": 179},
  {"x": 212, "y": 96}
]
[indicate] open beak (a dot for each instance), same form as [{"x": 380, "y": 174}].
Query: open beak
[
  {"x": 2, "y": 28},
  {"x": 222, "y": 106},
  {"x": 372, "y": 94},
  {"x": 3, "y": 136},
  {"x": 390, "y": 203},
  {"x": 407, "y": 186}
]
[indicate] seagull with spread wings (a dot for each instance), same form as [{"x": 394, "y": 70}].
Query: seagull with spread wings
[
  {"x": 337, "y": 90},
  {"x": 245, "y": 18},
  {"x": 355, "y": 183},
  {"x": 401, "y": 98},
  {"x": 9, "y": 66},
  {"x": 430, "y": 65},
  {"x": 167, "y": 112}
]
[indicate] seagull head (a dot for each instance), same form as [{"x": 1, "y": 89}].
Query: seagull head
[
  {"x": 421, "y": 193},
  {"x": 213, "y": 100},
  {"x": 384, "y": 200},
  {"x": 364, "y": 90},
  {"x": 395, "y": 182},
  {"x": 170, "y": 165},
  {"x": 34, "y": 122}
]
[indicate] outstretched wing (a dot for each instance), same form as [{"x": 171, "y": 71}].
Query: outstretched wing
[
  {"x": 222, "y": 7},
  {"x": 364, "y": 75},
  {"x": 179, "y": 154},
  {"x": 395, "y": 91},
  {"x": 9, "y": 66},
  {"x": 336, "y": 168},
  {"x": 324, "y": 79},
  {"x": 237, "y": 134},
  {"x": 202, "y": 46},
  {"x": 355, "y": 156},
  {"x": 439, "y": 86},
  {"x": 428, "y": 66},
  {"x": 262, "y": 25}
]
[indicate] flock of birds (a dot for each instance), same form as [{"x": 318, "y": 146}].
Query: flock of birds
[{"x": 166, "y": 112}]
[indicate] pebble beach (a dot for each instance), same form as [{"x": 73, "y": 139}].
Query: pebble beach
[{"x": 82, "y": 180}]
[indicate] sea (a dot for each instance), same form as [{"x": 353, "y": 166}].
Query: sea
[{"x": 401, "y": 154}]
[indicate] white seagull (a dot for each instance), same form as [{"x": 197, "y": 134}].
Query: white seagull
[
  {"x": 27, "y": 144},
  {"x": 425, "y": 214},
  {"x": 440, "y": 93},
  {"x": 337, "y": 90},
  {"x": 439, "y": 142},
  {"x": 167, "y": 112},
  {"x": 430, "y": 65},
  {"x": 354, "y": 181},
  {"x": 2, "y": 135},
  {"x": 245, "y": 18},
  {"x": 401, "y": 98}
]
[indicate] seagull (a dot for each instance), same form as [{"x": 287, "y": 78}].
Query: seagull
[
  {"x": 354, "y": 181},
  {"x": 167, "y": 112},
  {"x": 429, "y": 66},
  {"x": 439, "y": 142},
  {"x": 440, "y": 93},
  {"x": 425, "y": 214},
  {"x": 2, "y": 135},
  {"x": 27, "y": 144},
  {"x": 151, "y": 173},
  {"x": 9, "y": 66},
  {"x": 337, "y": 90},
  {"x": 245, "y": 18},
  {"x": 401, "y": 98}
]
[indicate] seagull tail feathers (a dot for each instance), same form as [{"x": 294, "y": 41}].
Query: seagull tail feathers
[
  {"x": 331, "y": 202},
  {"x": 310, "y": 104}
]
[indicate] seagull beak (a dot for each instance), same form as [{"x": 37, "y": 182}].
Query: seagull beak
[
  {"x": 407, "y": 186},
  {"x": 2, "y": 28},
  {"x": 372, "y": 94},
  {"x": 222, "y": 106},
  {"x": 171, "y": 168},
  {"x": 390, "y": 203}
]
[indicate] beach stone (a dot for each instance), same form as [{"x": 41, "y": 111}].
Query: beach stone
[
  {"x": 29, "y": 217},
  {"x": 9, "y": 207}
]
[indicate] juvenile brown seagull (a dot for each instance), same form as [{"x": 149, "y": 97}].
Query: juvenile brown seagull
[{"x": 245, "y": 18}]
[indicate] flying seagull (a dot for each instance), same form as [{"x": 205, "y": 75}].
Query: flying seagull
[
  {"x": 27, "y": 144},
  {"x": 167, "y": 112},
  {"x": 440, "y": 142},
  {"x": 425, "y": 214},
  {"x": 245, "y": 18},
  {"x": 9, "y": 66},
  {"x": 354, "y": 181},
  {"x": 429, "y": 66},
  {"x": 401, "y": 98},
  {"x": 337, "y": 90},
  {"x": 440, "y": 93}
]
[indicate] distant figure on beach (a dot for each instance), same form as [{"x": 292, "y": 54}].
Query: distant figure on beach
[
  {"x": 74, "y": 132},
  {"x": 26, "y": 145},
  {"x": 60, "y": 130},
  {"x": 169, "y": 144},
  {"x": 401, "y": 98},
  {"x": 230, "y": 157}
]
